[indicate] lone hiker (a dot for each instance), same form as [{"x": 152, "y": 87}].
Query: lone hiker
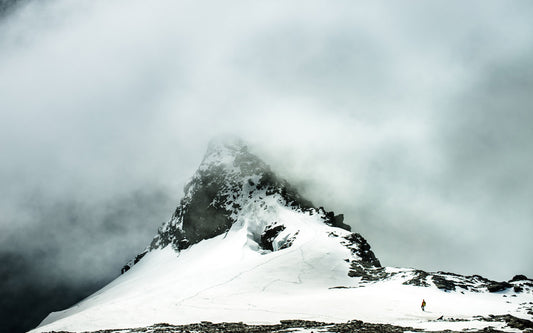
[{"x": 423, "y": 305}]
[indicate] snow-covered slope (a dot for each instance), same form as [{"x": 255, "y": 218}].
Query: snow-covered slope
[{"x": 243, "y": 245}]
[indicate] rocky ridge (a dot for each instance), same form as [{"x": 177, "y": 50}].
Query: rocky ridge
[
  {"x": 445, "y": 281},
  {"x": 286, "y": 326}
]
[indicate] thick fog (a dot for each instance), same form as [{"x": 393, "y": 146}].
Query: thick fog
[{"x": 414, "y": 119}]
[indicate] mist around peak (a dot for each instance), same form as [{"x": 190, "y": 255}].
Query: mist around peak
[
  {"x": 225, "y": 142},
  {"x": 413, "y": 119}
]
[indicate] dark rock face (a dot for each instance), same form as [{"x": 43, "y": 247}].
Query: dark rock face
[
  {"x": 419, "y": 279},
  {"x": 498, "y": 286},
  {"x": 443, "y": 280},
  {"x": 204, "y": 217},
  {"x": 213, "y": 195},
  {"x": 442, "y": 283},
  {"x": 133, "y": 262},
  {"x": 450, "y": 281},
  {"x": 201, "y": 215},
  {"x": 270, "y": 233},
  {"x": 367, "y": 266},
  {"x": 367, "y": 274},
  {"x": 520, "y": 283},
  {"x": 519, "y": 278},
  {"x": 360, "y": 247},
  {"x": 335, "y": 220},
  {"x": 454, "y": 282}
]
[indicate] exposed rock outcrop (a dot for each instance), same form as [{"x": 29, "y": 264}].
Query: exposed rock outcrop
[{"x": 353, "y": 326}]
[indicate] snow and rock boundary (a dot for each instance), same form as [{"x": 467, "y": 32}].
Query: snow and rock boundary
[{"x": 507, "y": 323}]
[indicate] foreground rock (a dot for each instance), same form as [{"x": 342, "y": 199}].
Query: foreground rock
[{"x": 312, "y": 326}]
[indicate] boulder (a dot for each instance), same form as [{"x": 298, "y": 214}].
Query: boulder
[{"x": 498, "y": 286}]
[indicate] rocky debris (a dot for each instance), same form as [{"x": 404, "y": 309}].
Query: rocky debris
[
  {"x": 359, "y": 326},
  {"x": 268, "y": 236},
  {"x": 286, "y": 326},
  {"x": 442, "y": 283},
  {"x": 367, "y": 273},
  {"x": 520, "y": 283},
  {"x": 443, "y": 280},
  {"x": 451, "y": 319},
  {"x": 512, "y": 321},
  {"x": 133, "y": 262},
  {"x": 288, "y": 242},
  {"x": 452, "y": 282},
  {"x": 419, "y": 279}
]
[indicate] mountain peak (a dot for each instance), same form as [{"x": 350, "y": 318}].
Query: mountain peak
[
  {"x": 223, "y": 150},
  {"x": 229, "y": 156},
  {"x": 233, "y": 187}
]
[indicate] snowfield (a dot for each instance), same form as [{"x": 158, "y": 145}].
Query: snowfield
[{"x": 228, "y": 279}]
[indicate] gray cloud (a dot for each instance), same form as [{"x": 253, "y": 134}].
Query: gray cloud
[{"x": 412, "y": 119}]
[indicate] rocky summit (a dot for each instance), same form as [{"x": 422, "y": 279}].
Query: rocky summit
[{"x": 229, "y": 178}]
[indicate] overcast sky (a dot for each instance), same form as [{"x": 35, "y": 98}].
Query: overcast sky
[{"x": 413, "y": 118}]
